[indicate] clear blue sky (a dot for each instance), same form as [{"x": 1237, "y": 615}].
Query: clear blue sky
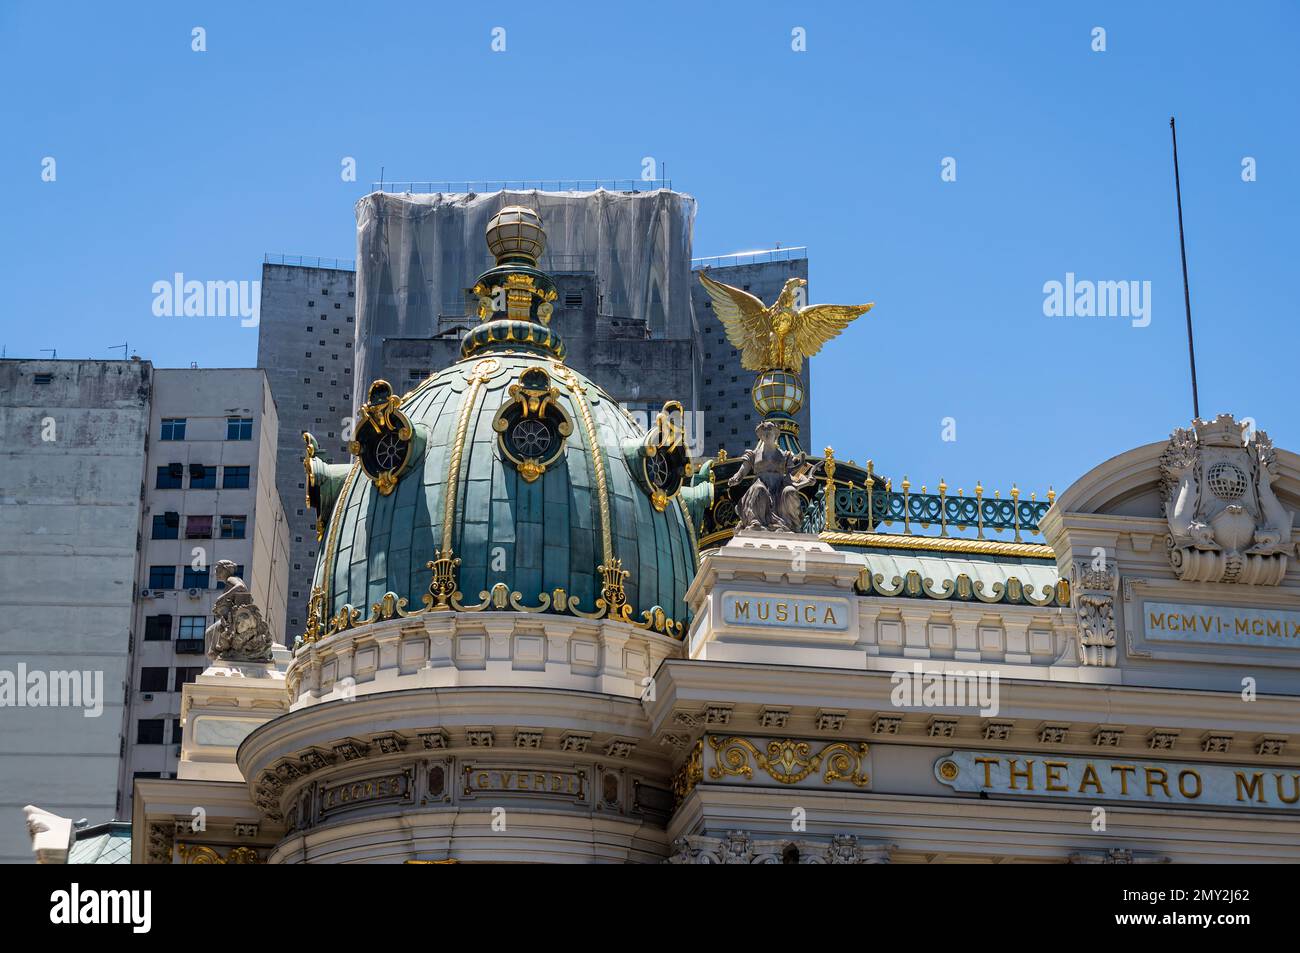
[{"x": 170, "y": 160}]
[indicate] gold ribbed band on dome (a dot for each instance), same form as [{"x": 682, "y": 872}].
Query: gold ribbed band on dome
[
  {"x": 597, "y": 461},
  {"x": 478, "y": 377}
]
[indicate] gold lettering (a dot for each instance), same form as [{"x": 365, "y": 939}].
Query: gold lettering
[
  {"x": 1027, "y": 774},
  {"x": 1295, "y": 789},
  {"x": 1162, "y": 783},
  {"x": 1156, "y": 620},
  {"x": 742, "y": 609},
  {"x": 810, "y": 614},
  {"x": 1182, "y": 788},
  {"x": 1254, "y": 788},
  {"x": 482, "y": 780},
  {"x": 1242, "y": 626},
  {"x": 764, "y": 610},
  {"x": 1189, "y": 623},
  {"x": 829, "y": 618},
  {"x": 782, "y": 613},
  {"x": 1053, "y": 779},
  {"x": 1090, "y": 777},
  {"x": 988, "y": 765},
  {"x": 1123, "y": 778}
]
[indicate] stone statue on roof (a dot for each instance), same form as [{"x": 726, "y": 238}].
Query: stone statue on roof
[
  {"x": 238, "y": 633},
  {"x": 773, "y": 501}
]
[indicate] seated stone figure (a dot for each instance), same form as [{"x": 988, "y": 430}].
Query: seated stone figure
[
  {"x": 773, "y": 501},
  {"x": 239, "y": 633}
]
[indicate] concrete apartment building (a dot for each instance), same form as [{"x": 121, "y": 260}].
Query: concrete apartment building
[
  {"x": 629, "y": 308},
  {"x": 306, "y": 338},
  {"x": 209, "y": 494},
  {"x": 91, "y": 668},
  {"x": 72, "y": 457}
]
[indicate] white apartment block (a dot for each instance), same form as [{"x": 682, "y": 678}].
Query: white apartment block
[{"x": 209, "y": 494}]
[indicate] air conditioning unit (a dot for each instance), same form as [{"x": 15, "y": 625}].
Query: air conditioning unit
[
  {"x": 194, "y": 593},
  {"x": 148, "y": 697},
  {"x": 145, "y": 593},
  {"x": 159, "y": 593}
]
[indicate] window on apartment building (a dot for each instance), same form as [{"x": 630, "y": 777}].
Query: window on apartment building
[
  {"x": 304, "y": 407},
  {"x": 195, "y": 578},
  {"x": 233, "y": 527},
  {"x": 338, "y": 305},
  {"x": 332, "y": 408},
  {"x": 166, "y": 525},
  {"x": 198, "y": 527},
  {"x": 348, "y": 345},
  {"x": 185, "y": 675},
  {"x": 149, "y": 731},
  {"x": 311, "y": 304},
  {"x": 173, "y": 428},
  {"x": 234, "y": 478},
  {"x": 306, "y": 380},
  {"x": 170, "y": 476},
  {"x": 320, "y": 367},
  {"x": 349, "y": 319},
  {"x": 311, "y": 328},
  {"x": 239, "y": 570},
  {"x": 202, "y": 477},
  {"x": 158, "y": 628},
  {"x": 192, "y": 626},
  {"x": 348, "y": 370},
  {"x": 308, "y": 353},
  {"x": 162, "y": 577},
  {"x": 322, "y": 342},
  {"x": 239, "y": 428},
  {"x": 153, "y": 679},
  {"x": 334, "y": 357},
  {"x": 320, "y": 393},
  {"x": 324, "y": 291},
  {"x": 177, "y": 732},
  {"x": 336, "y": 330}
]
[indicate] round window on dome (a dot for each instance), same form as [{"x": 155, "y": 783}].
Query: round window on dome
[{"x": 532, "y": 428}]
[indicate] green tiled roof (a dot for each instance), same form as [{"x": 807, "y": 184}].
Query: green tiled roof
[
  {"x": 532, "y": 536},
  {"x": 103, "y": 844}
]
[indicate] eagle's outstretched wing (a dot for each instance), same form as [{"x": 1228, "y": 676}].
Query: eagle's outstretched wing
[
  {"x": 745, "y": 320},
  {"x": 818, "y": 323}
]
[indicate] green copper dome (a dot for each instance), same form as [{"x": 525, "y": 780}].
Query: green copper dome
[{"x": 507, "y": 481}]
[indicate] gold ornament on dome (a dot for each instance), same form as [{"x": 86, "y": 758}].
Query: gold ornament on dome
[
  {"x": 780, "y": 336},
  {"x": 384, "y": 440}
]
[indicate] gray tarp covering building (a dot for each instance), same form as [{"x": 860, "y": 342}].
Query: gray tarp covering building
[{"x": 417, "y": 255}]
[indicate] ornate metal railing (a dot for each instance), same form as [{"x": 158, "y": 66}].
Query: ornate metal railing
[{"x": 862, "y": 501}]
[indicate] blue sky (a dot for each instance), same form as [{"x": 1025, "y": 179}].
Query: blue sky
[{"x": 170, "y": 160}]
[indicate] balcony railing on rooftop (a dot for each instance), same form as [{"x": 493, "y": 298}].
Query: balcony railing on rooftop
[
  {"x": 793, "y": 253},
  {"x": 305, "y": 261}
]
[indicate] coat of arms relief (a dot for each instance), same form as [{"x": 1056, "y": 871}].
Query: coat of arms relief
[{"x": 1225, "y": 522}]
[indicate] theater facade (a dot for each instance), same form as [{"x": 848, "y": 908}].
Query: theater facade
[{"x": 539, "y": 631}]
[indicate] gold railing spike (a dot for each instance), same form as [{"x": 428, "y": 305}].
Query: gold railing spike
[{"x": 1051, "y": 495}]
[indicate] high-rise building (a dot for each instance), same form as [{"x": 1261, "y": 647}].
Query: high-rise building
[
  {"x": 306, "y": 337},
  {"x": 121, "y": 485},
  {"x": 72, "y": 457},
  {"x": 209, "y": 495}
]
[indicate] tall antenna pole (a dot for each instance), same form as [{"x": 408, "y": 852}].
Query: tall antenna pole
[{"x": 1187, "y": 295}]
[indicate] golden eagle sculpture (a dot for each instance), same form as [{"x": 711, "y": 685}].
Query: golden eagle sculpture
[{"x": 780, "y": 336}]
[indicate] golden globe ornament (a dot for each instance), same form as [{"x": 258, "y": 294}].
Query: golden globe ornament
[{"x": 516, "y": 232}]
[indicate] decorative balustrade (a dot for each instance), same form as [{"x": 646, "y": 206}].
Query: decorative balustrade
[{"x": 844, "y": 497}]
